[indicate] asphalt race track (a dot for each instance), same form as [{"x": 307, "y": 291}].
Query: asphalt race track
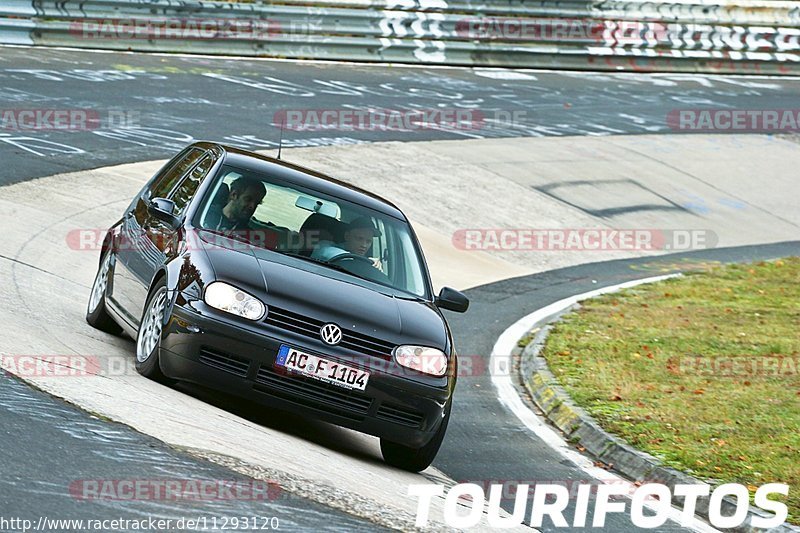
[
  {"x": 148, "y": 106},
  {"x": 51, "y": 445},
  {"x": 170, "y": 101}
]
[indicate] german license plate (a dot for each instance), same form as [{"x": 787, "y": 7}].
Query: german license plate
[{"x": 321, "y": 369}]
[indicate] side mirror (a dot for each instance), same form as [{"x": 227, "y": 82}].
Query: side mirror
[
  {"x": 452, "y": 300},
  {"x": 163, "y": 209}
]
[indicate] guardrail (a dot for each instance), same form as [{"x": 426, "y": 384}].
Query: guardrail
[{"x": 725, "y": 36}]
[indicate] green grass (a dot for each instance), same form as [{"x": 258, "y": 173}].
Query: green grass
[{"x": 672, "y": 368}]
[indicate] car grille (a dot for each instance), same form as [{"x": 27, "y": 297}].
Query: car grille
[
  {"x": 400, "y": 415},
  {"x": 313, "y": 393},
  {"x": 223, "y": 361},
  {"x": 309, "y": 327}
]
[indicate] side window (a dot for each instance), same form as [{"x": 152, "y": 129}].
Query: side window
[
  {"x": 164, "y": 184},
  {"x": 185, "y": 191}
]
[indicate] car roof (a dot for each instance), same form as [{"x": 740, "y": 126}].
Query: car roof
[{"x": 305, "y": 177}]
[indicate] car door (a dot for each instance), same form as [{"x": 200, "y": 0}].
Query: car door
[{"x": 138, "y": 250}]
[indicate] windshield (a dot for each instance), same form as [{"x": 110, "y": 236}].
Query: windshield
[{"x": 314, "y": 227}]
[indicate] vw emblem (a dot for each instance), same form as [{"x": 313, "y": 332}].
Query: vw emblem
[{"x": 331, "y": 334}]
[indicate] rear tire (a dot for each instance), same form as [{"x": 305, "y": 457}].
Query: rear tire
[
  {"x": 148, "y": 340},
  {"x": 96, "y": 314},
  {"x": 416, "y": 459}
]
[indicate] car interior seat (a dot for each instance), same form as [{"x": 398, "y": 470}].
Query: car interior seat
[
  {"x": 221, "y": 198},
  {"x": 318, "y": 227}
]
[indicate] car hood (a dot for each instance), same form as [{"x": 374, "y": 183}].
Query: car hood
[{"x": 321, "y": 293}]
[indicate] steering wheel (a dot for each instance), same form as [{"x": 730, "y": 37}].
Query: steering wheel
[
  {"x": 360, "y": 266},
  {"x": 348, "y": 255}
]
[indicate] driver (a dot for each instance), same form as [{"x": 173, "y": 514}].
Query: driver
[
  {"x": 357, "y": 240},
  {"x": 246, "y": 194}
]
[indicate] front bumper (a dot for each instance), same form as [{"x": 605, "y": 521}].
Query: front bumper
[{"x": 212, "y": 352}]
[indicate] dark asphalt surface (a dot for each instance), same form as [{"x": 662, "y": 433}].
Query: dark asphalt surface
[
  {"x": 149, "y": 106},
  {"x": 486, "y": 443},
  {"x": 52, "y": 452}
]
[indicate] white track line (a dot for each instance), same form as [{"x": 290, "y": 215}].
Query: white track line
[{"x": 508, "y": 396}]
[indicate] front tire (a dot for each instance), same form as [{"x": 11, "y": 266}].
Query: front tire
[
  {"x": 148, "y": 340},
  {"x": 96, "y": 314},
  {"x": 416, "y": 459}
]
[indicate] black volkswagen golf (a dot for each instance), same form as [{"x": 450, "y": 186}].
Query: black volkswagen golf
[{"x": 284, "y": 286}]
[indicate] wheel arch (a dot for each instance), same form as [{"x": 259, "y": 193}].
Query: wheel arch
[{"x": 169, "y": 272}]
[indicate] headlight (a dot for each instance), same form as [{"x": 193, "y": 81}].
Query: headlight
[
  {"x": 423, "y": 359},
  {"x": 235, "y": 301}
]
